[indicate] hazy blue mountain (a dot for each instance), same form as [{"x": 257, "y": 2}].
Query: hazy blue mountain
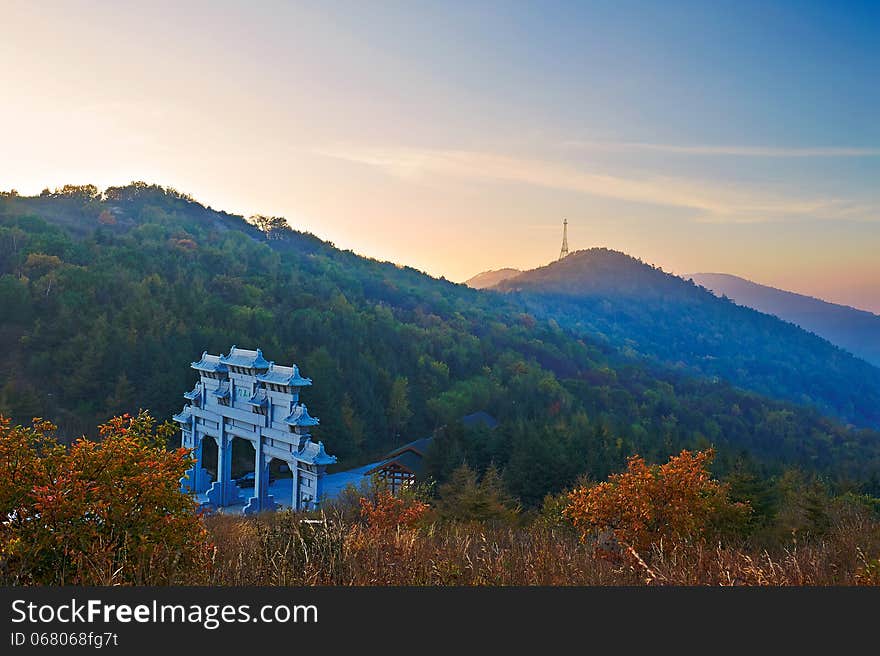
[
  {"x": 855, "y": 330},
  {"x": 644, "y": 311}
]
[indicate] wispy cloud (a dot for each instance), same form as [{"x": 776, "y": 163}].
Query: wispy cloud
[
  {"x": 723, "y": 150},
  {"x": 709, "y": 201}
]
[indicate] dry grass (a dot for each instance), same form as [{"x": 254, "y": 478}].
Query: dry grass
[{"x": 280, "y": 549}]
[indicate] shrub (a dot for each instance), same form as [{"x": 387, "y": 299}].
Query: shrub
[
  {"x": 388, "y": 512},
  {"x": 645, "y": 505},
  {"x": 464, "y": 497},
  {"x": 100, "y": 513}
]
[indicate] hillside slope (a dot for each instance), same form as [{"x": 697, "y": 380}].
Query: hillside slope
[
  {"x": 107, "y": 298},
  {"x": 855, "y": 330},
  {"x": 488, "y": 279},
  {"x": 647, "y": 312}
]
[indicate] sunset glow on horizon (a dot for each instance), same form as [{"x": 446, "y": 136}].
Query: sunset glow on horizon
[{"x": 455, "y": 138}]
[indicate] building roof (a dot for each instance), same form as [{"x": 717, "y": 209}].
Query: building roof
[
  {"x": 280, "y": 375},
  {"x": 183, "y": 416},
  {"x": 300, "y": 417},
  {"x": 408, "y": 461},
  {"x": 314, "y": 454},
  {"x": 409, "y": 457},
  {"x": 209, "y": 363},
  {"x": 245, "y": 358},
  {"x": 419, "y": 447},
  {"x": 191, "y": 395},
  {"x": 479, "y": 419},
  {"x": 259, "y": 399},
  {"x": 222, "y": 392}
]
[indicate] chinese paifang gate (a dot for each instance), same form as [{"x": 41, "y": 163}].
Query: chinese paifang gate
[{"x": 243, "y": 395}]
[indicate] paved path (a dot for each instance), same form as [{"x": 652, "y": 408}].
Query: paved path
[{"x": 282, "y": 488}]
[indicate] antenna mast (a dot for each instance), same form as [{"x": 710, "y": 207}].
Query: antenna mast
[{"x": 564, "y": 251}]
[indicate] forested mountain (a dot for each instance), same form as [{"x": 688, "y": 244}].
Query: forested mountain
[
  {"x": 491, "y": 278},
  {"x": 855, "y": 330},
  {"x": 644, "y": 311},
  {"x": 107, "y": 297}
]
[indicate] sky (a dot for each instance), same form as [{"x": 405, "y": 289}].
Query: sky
[{"x": 455, "y": 137}]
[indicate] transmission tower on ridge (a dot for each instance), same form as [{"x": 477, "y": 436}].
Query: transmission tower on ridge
[{"x": 564, "y": 251}]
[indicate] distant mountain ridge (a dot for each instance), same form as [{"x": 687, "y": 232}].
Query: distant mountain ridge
[
  {"x": 855, "y": 330},
  {"x": 643, "y": 311},
  {"x": 107, "y": 296},
  {"x": 491, "y": 278},
  {"x": 599, "y": 271}
]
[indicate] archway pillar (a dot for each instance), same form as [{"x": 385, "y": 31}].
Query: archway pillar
[
  {"x": 224, "y": 491},
  {"x": 293, "y": 465},
  {"x": 197, "y": 479},
  {"x": 261, "y": 501}
]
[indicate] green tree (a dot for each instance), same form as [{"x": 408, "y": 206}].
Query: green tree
[
  {"x": 466, "y": 497},
  {"x": 123, "y": 396},
  {"x": 399, "y": 412},
  {"x": 273, "y": 227}
]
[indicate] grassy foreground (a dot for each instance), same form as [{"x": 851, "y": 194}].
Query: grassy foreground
[{"x": 281, "y": 549}]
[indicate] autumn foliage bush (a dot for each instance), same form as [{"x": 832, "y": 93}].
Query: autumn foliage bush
[
  {"x": 111, "y": 512},
  {"x": 677, "y": 502},
  {"x": 387, "y": 511},
  {"x": 99, "y": 513}
]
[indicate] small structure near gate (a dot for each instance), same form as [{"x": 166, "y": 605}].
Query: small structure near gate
[
  {"x": 400, "y": 468},
  {"x": 243, "y": 395},
  {"x": 405, "y": 465}
]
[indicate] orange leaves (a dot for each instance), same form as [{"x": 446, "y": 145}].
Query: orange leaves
[
  {"x": 112, "y": 506},
  {"x": 390, "y": 523},
  {"x": 647, "y": 504},
  {"x": 186, "y": 244},
  {"x": 388, "y": 511},
  {"x": 26, "y": 455},
  {"x": 106, "y": 218}
]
